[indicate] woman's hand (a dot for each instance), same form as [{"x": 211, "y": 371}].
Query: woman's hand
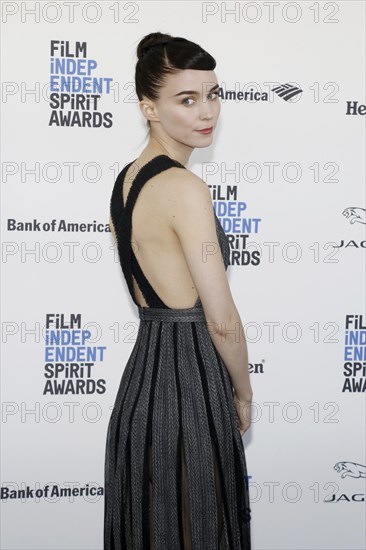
[{"x": 243, "y": 409}]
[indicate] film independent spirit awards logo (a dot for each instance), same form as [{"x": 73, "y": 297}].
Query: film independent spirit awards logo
[
  {"x": 354, "y": 354},
  {"x": 76, "y": 87},
  {"x": 72, "y": 360}
]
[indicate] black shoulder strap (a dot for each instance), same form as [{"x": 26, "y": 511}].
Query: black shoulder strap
[
  {"x": 149, "y": 170},
  {"x": 123, "y": 218}
]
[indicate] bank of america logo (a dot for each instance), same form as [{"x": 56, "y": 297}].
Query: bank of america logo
[{"x": 287, "y": 91}]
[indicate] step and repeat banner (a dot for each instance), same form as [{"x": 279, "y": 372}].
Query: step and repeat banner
[{"x": 287, "y": 175}]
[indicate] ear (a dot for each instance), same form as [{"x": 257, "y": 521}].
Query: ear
[{"x": 149, "y": 110}]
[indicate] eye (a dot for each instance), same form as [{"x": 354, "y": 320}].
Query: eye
[
  {"x": 215, "y": 94},
  {"x": 186, "y": 99}
]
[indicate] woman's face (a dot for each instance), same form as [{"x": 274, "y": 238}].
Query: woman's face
[{"x": 188, "y": 102}]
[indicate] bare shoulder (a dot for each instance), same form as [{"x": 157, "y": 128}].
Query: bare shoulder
[
  {"x": 179, "y": 177},
  {"x": 184, "y": 188}
]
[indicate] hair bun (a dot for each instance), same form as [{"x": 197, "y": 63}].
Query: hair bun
[
  {"x": 150, "y": 40},
  {"x": 171, "y": 54}
]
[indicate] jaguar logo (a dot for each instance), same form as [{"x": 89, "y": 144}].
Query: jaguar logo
[
  {"x": 350, "y": 469},
  {"x": 355, "y": 214}
]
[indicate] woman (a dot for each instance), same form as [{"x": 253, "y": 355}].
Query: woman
[{"x": 175, "y": 469}]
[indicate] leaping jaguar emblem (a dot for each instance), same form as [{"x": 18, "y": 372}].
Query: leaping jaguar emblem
[
  {"x": 350, "y": 469},
  {"x": 355, "y": 214}
]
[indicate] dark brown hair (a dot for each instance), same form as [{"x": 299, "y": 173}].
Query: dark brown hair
[{"x": 162, "y": 54}]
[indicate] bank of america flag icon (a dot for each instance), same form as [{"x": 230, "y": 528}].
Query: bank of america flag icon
[{"x": 286, "y": 91}]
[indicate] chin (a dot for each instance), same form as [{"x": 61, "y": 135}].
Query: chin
[
  {"x": 202, "y": 146},
  {"x": 204, "y": 142},
  {"x": 201, "y": 142},
  {"x": 197, "y": 143}
]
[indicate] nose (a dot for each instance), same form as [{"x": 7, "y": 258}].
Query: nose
[{"x": 206, "y": 110}]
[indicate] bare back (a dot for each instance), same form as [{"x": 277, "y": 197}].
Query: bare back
[
  {"x": 155, "y": 243},
  {"x": 163, "y": 218}
]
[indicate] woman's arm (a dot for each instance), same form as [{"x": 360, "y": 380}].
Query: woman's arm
[{"x": 192, "y": 218}]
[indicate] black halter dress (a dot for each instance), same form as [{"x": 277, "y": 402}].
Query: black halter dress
[{"x": 175, "y": 467}]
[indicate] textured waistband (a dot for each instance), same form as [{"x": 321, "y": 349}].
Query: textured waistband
[{"x": 171, "y": 315}]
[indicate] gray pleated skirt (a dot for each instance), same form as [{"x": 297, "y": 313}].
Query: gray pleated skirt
[{"x": 175, "y": 467}]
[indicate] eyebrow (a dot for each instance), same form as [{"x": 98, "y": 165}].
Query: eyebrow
[{"x": 192, "y": 92}]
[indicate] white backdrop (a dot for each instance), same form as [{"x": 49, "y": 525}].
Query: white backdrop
[{"x": 292, "y": 167}]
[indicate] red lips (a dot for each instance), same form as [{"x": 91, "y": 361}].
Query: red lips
[{"x": 205, "y": 130}]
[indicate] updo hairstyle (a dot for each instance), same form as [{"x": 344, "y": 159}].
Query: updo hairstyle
[{"x": 162, "y": 54}]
